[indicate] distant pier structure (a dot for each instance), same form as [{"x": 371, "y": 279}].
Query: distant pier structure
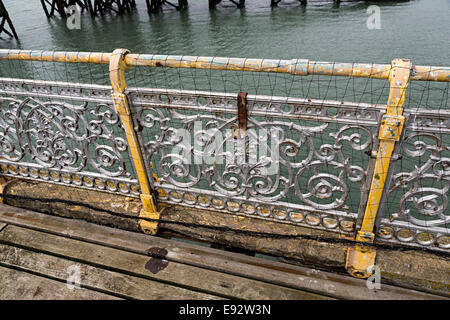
[
  {"x": 6, "y": 25},
  {"x": 100, "y": 7},
  {"x": 94, "y": 7},
  {"x": 241, "y": 3}
]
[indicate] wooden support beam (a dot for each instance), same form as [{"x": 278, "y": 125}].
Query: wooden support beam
[
  {"x": 81, "y": 3},
  {"x": 182, "y": 4},
  {"x": 154, "y": 5},
  {"x": 101, "y": 7},
  {"x": 89, "y": 7},
  {"x": 6, "y": 20},
  {"x": 159, "y": 3},
  {"x": 240, "y": 4},
  {"x": 60, "y": 7},
  {"x": 103, "y": 282},
  {"x": 213, "y": 3},
  {"x": 170, "y": 4},
  {"x": 274, "y": 3},
  {"x": 47, "y": 14}
]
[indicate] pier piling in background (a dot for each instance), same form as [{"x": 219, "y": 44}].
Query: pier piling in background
[
  {"x": 101, "y": 7},
  {"x": 54, "y": 6},
  {"x": 156, "y": 5},
  {"x": 118, "y": 6},
  {"x": 238, "y": 3},
  {"x": 213, "y": 3},
  {"x": 94, "y": 7},
  {"x": 6, "y": 20}
]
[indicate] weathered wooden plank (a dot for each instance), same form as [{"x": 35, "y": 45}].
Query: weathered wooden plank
[
  {"x": 18, "y": 285},
  {"x": 298, "y": 277},
  {"x": 113, "y": 283},
  {"x": 402, "y": 268},
  {"x": 221, "y": 284}
]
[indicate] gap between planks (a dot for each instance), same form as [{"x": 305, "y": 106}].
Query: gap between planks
[
  {"x": 297, "y": 277},
  {"x": 17, "y": 285},
  {"x": 92, "y": 278},
  {"x": 139, "y": 265}
]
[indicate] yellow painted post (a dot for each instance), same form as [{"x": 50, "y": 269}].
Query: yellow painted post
[
  {"x": 117, "y": 67},
  {"x": 361, "y": 257}
]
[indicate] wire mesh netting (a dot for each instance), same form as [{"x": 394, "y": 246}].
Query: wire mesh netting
[
  {"x": 314, "y": 164},
  {"x": 58, "y": 124},
  {"x": 416, "y": 203},
  {"x": 306, "y": 158}
]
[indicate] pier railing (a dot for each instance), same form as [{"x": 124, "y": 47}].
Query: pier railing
[{"x": 372, "y": 172}]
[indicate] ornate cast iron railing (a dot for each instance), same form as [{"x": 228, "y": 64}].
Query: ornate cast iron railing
[
  {"x": 64, "y": 133},
  {"x": 324, "y": 164}
]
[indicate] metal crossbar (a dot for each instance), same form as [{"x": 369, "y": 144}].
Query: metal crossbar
[{"x": 323, "y": 164}]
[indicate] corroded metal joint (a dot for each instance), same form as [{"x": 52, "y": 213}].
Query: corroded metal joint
[
  {"x": 117, "y": 67},
  {"x": 150, "y": 225},
  {"x": 391, "y": 127},
  {"x": 361, "y": 258},
  {"x": 365, "y": 236}
]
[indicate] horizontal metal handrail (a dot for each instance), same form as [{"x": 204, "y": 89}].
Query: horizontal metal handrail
[{"x": 302, "y": 67}]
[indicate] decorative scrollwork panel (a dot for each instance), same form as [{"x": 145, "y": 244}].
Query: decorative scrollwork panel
[
  {"x": 52, "y": 133},
  {"x": 297, "y": 156},
  {"x": 420, "y": 214}
]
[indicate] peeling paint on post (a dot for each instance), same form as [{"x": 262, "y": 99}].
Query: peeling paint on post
[
  {"x": 300, "y": 67},
  {"x": 361, "y": 258},
  {"x": 117, "y": 68}
]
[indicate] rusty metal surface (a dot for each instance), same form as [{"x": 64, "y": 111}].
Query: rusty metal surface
[{"x": 242, "y": 111}]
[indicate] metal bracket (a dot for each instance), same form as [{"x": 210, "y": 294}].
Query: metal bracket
[
  {"x": 148, "y": 211},
  {"x": 117, "y": 67},
  {"x": 391, "y": 127},
  {"x": 361, "y": 257}
]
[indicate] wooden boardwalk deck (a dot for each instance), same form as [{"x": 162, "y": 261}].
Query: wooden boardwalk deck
[{"x": 38, "y": 252}]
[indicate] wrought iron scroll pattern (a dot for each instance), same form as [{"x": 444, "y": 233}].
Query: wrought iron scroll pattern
[
  {"x": 68, "y": 134},
  {"x": 313, "y": 183},
  {"x": 421, "y": 180}
]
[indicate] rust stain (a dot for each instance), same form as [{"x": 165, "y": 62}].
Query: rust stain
[
  {"x": 158, "y": 261},
  {"x": 242, "y": 111}
]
